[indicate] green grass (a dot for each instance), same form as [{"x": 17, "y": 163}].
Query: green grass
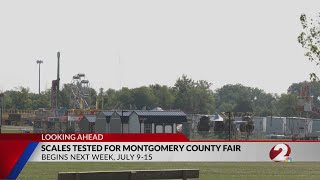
[{"x": 239, "y": 171}]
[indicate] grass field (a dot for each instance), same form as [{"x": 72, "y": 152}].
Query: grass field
[{"x": 239, "y": 171}]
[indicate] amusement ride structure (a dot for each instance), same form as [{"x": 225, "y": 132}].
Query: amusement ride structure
[
  {"x": 80, "y": 92},
  {"x": 59, "y": 119}
]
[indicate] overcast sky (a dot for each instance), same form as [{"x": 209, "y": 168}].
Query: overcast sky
[{"x": 135, "y": 43}]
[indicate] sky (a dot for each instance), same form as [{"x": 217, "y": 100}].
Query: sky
[{"x": 135, "y": 43}]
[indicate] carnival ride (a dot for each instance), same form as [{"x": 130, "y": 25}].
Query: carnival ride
[
  {"x": 80, "y": 92},
  {"x": 59, "y": 119}
]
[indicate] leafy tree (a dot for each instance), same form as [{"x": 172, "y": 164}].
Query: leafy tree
[
  {"x": 243, "y": 105},
  {"x": 239, "y": 98},
  {"x": 263, "y": 103},
  {"x": 22, "y": 99},
  {"x": 125, "y": 98},
  {"x": 310, "y": 40},
  {"x": 234, "y": 98},
  {"x": 110, "y": 99},
  {"x": 203, "y": 98},
  {"x": 143, "y": 97},
  {"x": 92, "y": 98},
  {"x": 100, "y": 99},
  {"x": 65, "y": 96},
  {"x": 188, "y": 95},
  {"x": 164, "y": 98},
  {"x": 286, "y": 105},
  {"x": 19, "y": 98},
  {"x": 8, "y": 103},
  {"x": 183, "y": 90},
  {"x": 41, "y": 100},
  {"x": 193, "y": 97}
]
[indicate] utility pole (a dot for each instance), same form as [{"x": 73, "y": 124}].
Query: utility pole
[
  {"x": 58, "y": 67},
  {"x": 58, "y": 78},
  {"x": 39, "y": 62}
]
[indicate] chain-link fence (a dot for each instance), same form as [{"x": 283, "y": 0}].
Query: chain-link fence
[{"x": 205, "y": 127}]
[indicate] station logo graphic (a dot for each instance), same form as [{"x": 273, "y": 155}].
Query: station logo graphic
[{"x": 280, "y": 153}]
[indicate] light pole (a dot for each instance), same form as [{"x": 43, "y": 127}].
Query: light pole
[{"x": 39, "y": 62}]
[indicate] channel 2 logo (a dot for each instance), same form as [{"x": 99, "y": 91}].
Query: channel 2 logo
[{"x": 280, "y": 153}]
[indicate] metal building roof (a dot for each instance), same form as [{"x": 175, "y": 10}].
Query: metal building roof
[
  {"x": 124, "y": 113},
  {"x": 159, "y": 113},
  {"x": 108, "y": 113},
  {"x": 90, "y": 118},
  {"x": 127, "y": 113}
]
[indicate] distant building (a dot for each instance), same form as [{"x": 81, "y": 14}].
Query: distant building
[
  {"x": 285, "y": 125},
  {"x": 102, "y": 121},
  {"x": 316, "y": 125},
  {"x": 275, "y": 125},
  {"x": 119, "y": 122},
  {"x": 259, "y": 124},
  {"x": 160, "y": 121},
  {"x": 87, "y": 124},
  {"x": 297, "y": 125},
  {"x": 139, "y": 121}
]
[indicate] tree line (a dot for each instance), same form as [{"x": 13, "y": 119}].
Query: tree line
[
  {"x": 193, "y": 96},
  {"x": 187, "y": 94}
]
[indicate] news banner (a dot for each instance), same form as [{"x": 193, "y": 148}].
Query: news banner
[
  {"x": 121, "y": 152},
  {"x": 23, "y": 148}
]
